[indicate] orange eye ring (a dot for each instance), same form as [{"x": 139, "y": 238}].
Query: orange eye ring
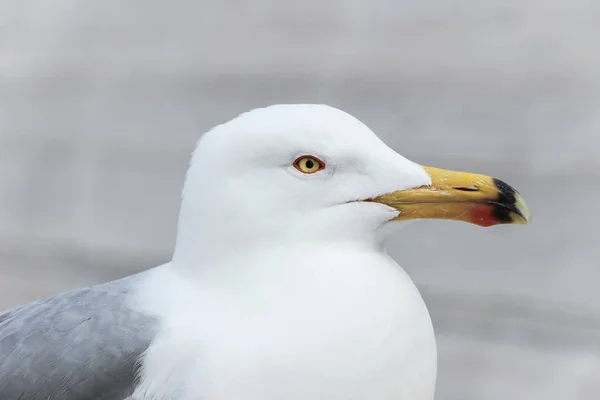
[{"x": 309, "y": 164}]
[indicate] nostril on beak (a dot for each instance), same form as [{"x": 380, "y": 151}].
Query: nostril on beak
[{"x": 467, "y": 188}]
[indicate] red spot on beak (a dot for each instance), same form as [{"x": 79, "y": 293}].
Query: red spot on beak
[{"x": 483, "y": 215}]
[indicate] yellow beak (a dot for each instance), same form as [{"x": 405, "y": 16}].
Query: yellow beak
[{"x": 460, "y": 196}]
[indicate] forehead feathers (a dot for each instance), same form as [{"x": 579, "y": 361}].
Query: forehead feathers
[{"x": 278, "y": 129}]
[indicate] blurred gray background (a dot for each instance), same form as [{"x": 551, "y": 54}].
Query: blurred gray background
[{"x": 101, "y": 102}]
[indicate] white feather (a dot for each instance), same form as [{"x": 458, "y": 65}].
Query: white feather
[{"x": 280, "y": 287}]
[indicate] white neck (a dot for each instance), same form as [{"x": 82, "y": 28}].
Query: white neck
[{"x": 335, "y": 322}]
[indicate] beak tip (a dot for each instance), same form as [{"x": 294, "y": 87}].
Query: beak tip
[
  {"x": 512, "y": 207},
  {"x": 523, "y": 211}
]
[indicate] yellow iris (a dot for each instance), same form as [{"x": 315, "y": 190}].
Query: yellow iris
[{"x": 308, "y": 164}]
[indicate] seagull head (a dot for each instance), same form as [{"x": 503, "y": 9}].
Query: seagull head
[{"x": 308, "y": 173}]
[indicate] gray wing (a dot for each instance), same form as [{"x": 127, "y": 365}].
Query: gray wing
[{"x": 78, "y": 345}]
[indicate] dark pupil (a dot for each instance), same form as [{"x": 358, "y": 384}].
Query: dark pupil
[{"x": 310, "y": 164}]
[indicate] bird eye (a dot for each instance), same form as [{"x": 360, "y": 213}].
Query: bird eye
[{"x": 309, "y": 164}]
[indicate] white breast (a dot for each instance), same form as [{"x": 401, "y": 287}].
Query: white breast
[{"x": 324, "y": 325}]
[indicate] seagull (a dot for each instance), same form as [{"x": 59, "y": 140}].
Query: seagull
[{"x": 279, "y": 285}]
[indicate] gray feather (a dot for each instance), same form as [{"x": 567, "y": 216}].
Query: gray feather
[{"x": 79, "y": 345}]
